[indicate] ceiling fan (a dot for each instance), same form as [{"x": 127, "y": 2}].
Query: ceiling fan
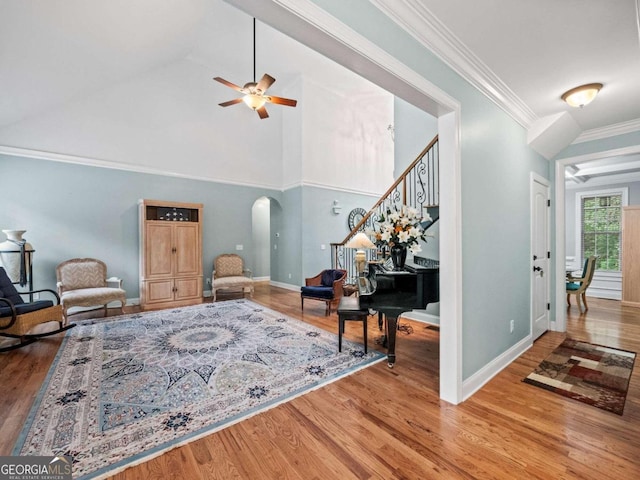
[{"x": 255, "y": 93}]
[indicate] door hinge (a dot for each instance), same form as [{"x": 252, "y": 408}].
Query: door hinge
[
  {"x": 548, "y": 202},
  {"x": 548, "y": 254},
  {"x": 548, "y": 306}
]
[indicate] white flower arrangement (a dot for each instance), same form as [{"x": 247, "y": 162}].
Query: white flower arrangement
[{"x": 401, "y": 228}]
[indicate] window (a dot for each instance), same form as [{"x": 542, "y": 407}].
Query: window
[{"x": 600, "y": 226}]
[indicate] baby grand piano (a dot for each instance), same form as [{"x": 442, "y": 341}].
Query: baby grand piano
[{"x": 392, "y": 293}]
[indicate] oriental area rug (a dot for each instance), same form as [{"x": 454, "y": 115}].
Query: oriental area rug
[
  {"x": 124, "y": 389},
  {"x": 589, "y": 373}
]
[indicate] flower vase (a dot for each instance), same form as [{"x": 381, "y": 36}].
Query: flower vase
[
  {"x": 16, "y": 256},
  {"x": 398, "y": 256}
]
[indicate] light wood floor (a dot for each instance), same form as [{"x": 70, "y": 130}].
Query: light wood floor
[{"x": 389, "y": 423}]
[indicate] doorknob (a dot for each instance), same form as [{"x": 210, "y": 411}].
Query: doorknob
[
  {"x": 537, "y": 269},
  {"x": 535, "y": 257}
]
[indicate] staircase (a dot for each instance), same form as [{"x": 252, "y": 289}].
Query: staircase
[{"x": 417, "y": 187}]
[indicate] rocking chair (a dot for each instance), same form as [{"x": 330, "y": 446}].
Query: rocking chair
[{"x": 17, "y": 318}]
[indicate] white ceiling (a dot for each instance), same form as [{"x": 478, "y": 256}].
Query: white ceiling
[
  {"x": 53, "y": 52},
  {"x": 525, "y": 55},
  {"x": 542, "y": 49}
]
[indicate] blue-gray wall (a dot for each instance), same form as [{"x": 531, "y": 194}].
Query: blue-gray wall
[
  {"x": 74, "y": 211},
  {"x": 320, "y": 226},
  {"x": 495, "y": 167}
]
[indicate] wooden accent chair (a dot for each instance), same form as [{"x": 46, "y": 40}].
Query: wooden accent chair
[
  {"x": 82, "y": 282},
  {"x": 229, "y": 274},
  {"x": 327, "y": 287},
  {"x": 578, "y": 285},
  {"x": 18, "y": 318}
]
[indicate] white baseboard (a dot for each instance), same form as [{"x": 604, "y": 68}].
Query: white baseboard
[
  {"x": 262, "y": 279},
  {"x": 476, "y": 381},
  {"x": 288, "y": 286},
  {"x": 604, "y": 293}
]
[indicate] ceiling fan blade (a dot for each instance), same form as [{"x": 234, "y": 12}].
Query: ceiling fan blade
[
  {"x": 227, "y": 83},
  {"x": 262, "y": 112},
  {"x": 265, "y": 82},
  {"x": 230, "y": 102},
  {"x": 282, "y": 101}
]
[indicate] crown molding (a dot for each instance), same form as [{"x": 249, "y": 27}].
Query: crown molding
[
  {"x": 423, "y": 25},
  {"x": 609, "y": 131},
  {"x": 94, "y": 162}
]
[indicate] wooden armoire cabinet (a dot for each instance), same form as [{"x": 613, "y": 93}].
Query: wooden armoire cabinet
[
  {"x": 170, "y": 254},
  {"x": 631, "y": 256}
]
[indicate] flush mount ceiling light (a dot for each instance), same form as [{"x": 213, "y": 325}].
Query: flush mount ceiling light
[{"x": 582, "y": 95}]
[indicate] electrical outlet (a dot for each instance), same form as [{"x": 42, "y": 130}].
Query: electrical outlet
[
  {"x": 511, "y": 325},
  {"x": 289, "y": 275},
  {"x": 239, "y": 247}
]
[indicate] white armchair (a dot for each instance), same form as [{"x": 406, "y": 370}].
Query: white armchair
[
  {"x": 229, "y": 274},
  {"x": 82, "y": 282}
]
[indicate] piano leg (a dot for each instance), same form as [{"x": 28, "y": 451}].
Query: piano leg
[{"x": 392, "y": 326}]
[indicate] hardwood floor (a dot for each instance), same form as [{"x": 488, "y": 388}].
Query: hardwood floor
[{"x": 390, "y": 423}]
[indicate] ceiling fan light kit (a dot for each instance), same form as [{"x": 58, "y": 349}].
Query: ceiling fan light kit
[
  {"x": 254, "y": 93},
  {"x": 582, "y": 95}
]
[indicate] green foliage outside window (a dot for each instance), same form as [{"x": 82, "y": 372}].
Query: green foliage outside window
[{"x": 601, "y": 230}]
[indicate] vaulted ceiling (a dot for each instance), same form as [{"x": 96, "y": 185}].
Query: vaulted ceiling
[
  {"x": 52, "y": 52},
  {"x": 523, "y": 55}
]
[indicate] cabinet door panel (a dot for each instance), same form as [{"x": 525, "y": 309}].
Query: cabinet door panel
[
  {"x": 188, "y": 288},
  {"x": 631, "y": 256},
  {"x": 159, "y": 291},
  {"x": 158, "y": 252},
  {"x": 187, "y": 243}
]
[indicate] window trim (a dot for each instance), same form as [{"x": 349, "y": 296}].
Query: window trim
[{"x": 623, "y": 191}]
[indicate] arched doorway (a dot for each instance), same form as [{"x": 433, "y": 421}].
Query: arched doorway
[{"x": 265, "y": 215}]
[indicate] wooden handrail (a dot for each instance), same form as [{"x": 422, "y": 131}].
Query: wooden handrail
[{"x": 400, "y": 179}]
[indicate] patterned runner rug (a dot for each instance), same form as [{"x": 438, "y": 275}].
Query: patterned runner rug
[
  {"x": 124, "y": 389},
  {"x": 592, "y": 374}
]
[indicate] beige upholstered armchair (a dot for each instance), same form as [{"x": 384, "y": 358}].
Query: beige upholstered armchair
[
  {"x": 229, "y": 274},
  {"x": 82, "y": 282}
]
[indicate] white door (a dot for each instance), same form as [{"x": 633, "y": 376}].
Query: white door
[{"x": 540, "y": 253}]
